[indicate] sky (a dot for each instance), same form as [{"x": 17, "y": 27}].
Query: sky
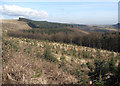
[{"x": 76, "y": 12}]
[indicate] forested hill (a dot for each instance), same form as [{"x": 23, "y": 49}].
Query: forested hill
[
  {"x": 55, "y": 25},
  {"x": 48, "y": 25},
  {"x": 43, "y": 24}
]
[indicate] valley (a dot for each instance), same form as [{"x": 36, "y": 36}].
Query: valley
[{"x": 53, "y": 53}]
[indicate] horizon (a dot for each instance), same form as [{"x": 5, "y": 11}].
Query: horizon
[
  {"x": 88, "y": 13},
  {"x": 64, "y": 22}
]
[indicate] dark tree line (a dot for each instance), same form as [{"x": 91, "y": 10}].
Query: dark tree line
[{"x": 108, "y": 41}]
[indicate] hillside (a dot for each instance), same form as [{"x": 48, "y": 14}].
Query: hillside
[
  {"x": 13, "y": 25},
  {"x": 24, "y": 61},
  {"x": 31, "y": 60},
  {"x": 52, "y": 25}
]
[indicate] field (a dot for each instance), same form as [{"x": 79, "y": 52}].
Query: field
[{"x": 57, "y": 55}]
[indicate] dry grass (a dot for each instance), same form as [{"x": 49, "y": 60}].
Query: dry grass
[
  {"x": 19, "y": 67},
  {"x": 21, "y": 62},
  {"x": 13, "y": 25}
]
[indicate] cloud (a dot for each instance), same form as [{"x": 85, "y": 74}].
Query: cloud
[{"x": 13, "y": 10}]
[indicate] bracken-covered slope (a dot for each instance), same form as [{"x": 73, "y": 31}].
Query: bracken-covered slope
[{"x": 14, "y": 25}]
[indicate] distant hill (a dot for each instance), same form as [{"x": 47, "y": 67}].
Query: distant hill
[
  {"x": 54, "y": 25},
  {"x": 43, "y": 24},
  {"x": 117, "y": 26}
]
